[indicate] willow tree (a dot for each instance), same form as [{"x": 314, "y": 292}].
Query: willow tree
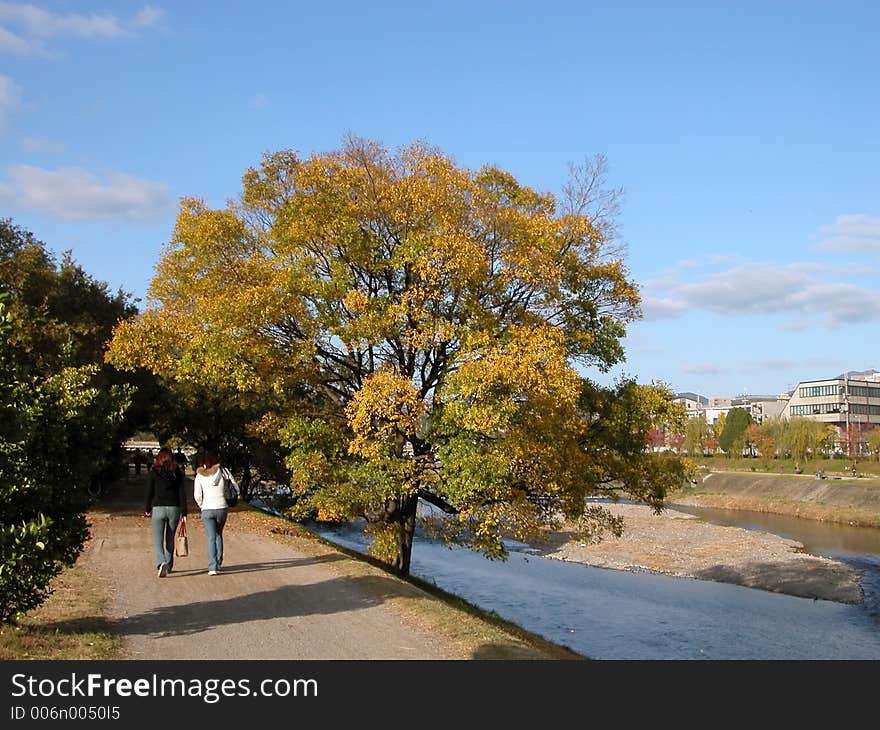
[{"x": 423, "y": 323}]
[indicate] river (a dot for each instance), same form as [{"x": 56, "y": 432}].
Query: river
[
  {"x": 857, "y": 546},
  {"x": 611, "y": 614}
]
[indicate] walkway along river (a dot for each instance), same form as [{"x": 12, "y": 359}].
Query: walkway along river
[{"x": 612, "y": 614}]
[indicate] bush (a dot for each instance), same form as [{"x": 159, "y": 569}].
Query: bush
[{"x": 54, "y": 432}]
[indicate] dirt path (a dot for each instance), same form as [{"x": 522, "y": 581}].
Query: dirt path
[{"x": 274, "y": 599}]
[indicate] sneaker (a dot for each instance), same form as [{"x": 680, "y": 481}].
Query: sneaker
[
  {"x": 212, "y": 572},
  {"x": 163, "y": 570}
]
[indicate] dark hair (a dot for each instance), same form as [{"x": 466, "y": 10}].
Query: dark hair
[
  {"x": 164, "y": 460},
  {"x": 209, "y": 458}
]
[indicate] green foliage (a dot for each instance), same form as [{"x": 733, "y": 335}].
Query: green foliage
[
  {"x": 803, "y": 437},
  {"x": 695, "y": 435},
  {"x": 63, "y": 316},
  {"x": 58, "y": 415},
  {"x": 187, "y": 413},
  {"x": 733, "y": 438},
  {"x": 872, "y": 441}
]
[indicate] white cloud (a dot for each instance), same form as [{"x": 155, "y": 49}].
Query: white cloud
[
  {"x": 148, "y": 17},
  {"x": 75, "y": 194},
  {"x": 703, "y": 370},
  {"x": 15, "y": 45},
  {"x": 43, "y": 24},
  {"x": 852, "y": 233},
  {"x": 766, "y": 289},
  {"x": 797, "y": 326},
  {"x": 744, "y": 289},
  {"x": 42, "y": 145},
  {"x": 776, "y": 364},
  {"x": 9, "y": 98},
  {"x": 723, "y": 259},
  {"x": 688, "y": 264},
  {"x": 35, "y": 24},
  {"x": 654, "y": 308},
  {"x": 840, "y": 302}
]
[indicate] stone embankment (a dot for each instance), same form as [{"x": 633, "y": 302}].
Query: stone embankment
[{"x": 854, "y": 501}]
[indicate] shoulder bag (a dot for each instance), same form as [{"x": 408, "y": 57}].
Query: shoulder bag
[
  {"x": 181, "y": 544},
  {"x": 230, "y": 489}
]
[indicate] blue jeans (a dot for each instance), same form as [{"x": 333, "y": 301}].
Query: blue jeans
[
  {"x": 165, "y": 521},
  {"x": 213, "y": 520}
]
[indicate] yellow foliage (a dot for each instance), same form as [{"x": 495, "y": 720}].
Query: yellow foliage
[
  {"x": 386, "y": 287},
  {"x": 387, "y": 408},
  {"x": 325, "y": 514},
  {"x": 531, "y": 366}
]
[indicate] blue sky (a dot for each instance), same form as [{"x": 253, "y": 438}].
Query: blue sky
[{"x": 746, "y": 136}]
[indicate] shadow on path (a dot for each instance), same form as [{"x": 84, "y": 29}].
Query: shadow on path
[
  {"x": 255, "y": 567},
  {"x": 338, "y": 595},
  {"x": 270, "y": 600}
]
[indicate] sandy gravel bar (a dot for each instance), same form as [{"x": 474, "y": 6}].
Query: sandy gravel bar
[{"x": 675, "y": 543}]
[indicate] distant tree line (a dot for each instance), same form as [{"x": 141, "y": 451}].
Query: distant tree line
[{"x": 737, "y": 435}]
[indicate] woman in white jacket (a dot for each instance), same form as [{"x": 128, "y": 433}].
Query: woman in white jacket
[{"x": 208, "y": 493}]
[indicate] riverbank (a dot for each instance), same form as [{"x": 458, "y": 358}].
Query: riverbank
[
  {"x": 847, "y": 501},
  {"x": 674, "y": 543}
]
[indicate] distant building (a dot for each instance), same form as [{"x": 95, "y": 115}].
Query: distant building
[
  {"x": 762, "y": 407},
  {"x": 851, "y": 400},
  {"x": 711, "y": 414},
  {"x": 694, "y": 404}
]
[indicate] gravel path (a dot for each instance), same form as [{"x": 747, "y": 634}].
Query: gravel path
[
  {"x": 270, "y": 600},
  {"x": 680, "y": 544}
]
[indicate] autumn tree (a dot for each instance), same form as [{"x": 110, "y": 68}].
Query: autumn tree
[
  {"x": 656, "y": 438},
  {"x": 423, "y": 322},
  {"x": 761, "y": 436},
  {"x": 710, "y": 443},
  {"x": 676, "y": 441},
  {"x": 718, "y": 426}
]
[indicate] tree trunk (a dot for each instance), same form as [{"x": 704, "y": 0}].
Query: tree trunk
[
  {"x": 246, "y": 478},
  {"x": 402, "y": 514}
]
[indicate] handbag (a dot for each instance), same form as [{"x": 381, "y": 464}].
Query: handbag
[
  {"x": 181, "y": 544},
  {"x": 230, "y": 489}
]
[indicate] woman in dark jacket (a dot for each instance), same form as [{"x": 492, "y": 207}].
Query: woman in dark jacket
[{"x": 166, "y": 505}]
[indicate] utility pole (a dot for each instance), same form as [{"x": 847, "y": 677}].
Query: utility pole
[{"x": 846, "y": 407}]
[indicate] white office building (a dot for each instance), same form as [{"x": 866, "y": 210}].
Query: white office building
[{"x": 850, "y": 401}]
